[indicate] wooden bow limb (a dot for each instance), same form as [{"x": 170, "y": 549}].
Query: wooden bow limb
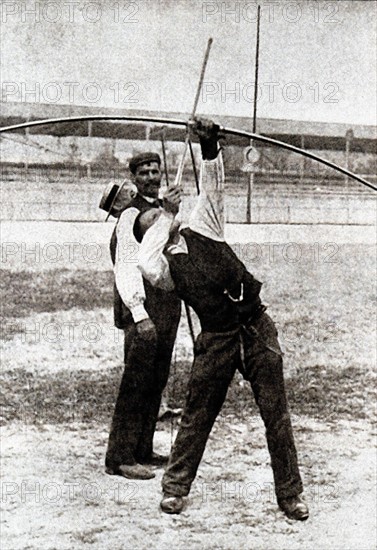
[{"x": 183, "y": 123}]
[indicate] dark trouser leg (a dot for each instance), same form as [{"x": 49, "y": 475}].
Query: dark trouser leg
[
  {"x": 165, "y": 344},
  {"x": 135, "y": 387},
  {"x": 216, "y": 358},
  {"x": 152, "y": 406},
  {"x": 264, "y": 367}
]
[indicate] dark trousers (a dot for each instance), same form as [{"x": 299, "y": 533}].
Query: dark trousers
[
  {"x": 145, "y": 375},
  {"x": 217, "y": 356}
]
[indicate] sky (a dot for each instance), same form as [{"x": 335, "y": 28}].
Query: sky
[{"x": 317, "y": 59}]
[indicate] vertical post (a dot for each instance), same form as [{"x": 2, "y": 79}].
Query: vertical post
[
  {"x": 89, "y": 166},
  {"x": 302, "y": 163},
  {"x": 256, "y": 75},
  {"x": 250, "y": 185},
  {"x": 349, "y": 136},
  {"x": 251, "y": 176},
  {"x": 26, "y": 161}
]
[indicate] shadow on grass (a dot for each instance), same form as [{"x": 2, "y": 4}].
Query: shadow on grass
[{"x": 89, "y": 397}]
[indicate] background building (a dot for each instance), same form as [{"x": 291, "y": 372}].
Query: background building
[{"x": 58, "y": 171}]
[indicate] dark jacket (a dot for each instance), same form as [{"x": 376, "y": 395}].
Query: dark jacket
[{"x": 202, "y": 276}]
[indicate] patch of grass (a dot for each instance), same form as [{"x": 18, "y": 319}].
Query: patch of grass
[
  {"x": 27, "y": 292},
  {"x": 89, "y": 397},
  {"x": 325, "y": 314}
]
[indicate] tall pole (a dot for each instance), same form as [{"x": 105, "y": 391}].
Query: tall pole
[
  {"x": 251, "y": 176},
  {"x": 256, "y": 75}
]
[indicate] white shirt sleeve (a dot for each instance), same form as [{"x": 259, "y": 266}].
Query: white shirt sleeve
[
  {"x": 207, "y": 217},
  {"x": 128, "y": 278},
  {"x": 152, "y": 263}
]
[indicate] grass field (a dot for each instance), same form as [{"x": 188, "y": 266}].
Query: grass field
[{"x": 325, "y": 313}]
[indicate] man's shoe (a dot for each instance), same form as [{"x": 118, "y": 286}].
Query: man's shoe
[
  {"x": 294, "y": 508},
  {"x": 131, "y": 471},
  {"x": 155, "y": 460},
  {"x": 171, "y": 504}
]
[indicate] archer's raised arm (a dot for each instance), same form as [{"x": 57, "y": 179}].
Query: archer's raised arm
[{"x": 207, "y": 217}]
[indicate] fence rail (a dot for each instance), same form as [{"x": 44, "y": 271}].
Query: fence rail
[{"x": 236, "y": 181}]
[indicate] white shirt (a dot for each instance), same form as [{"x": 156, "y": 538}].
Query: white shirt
[
  {"x": 128, "y": 278},
  {"x": 207, "y": 218}
]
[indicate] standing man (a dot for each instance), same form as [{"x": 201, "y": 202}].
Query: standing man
[
  {"x": 209, "y": 277},
  {"x": 149, "y": 318}
]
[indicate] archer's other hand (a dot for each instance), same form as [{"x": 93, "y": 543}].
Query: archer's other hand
[
  {"x": 209, "y": 135},
  {"x": 172, "y": 199},
  {"x": 147, "y": 330},
  {"x": 204, "y": 128}
]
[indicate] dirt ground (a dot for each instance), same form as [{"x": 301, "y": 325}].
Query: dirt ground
[{"x": 55, "y": 494}]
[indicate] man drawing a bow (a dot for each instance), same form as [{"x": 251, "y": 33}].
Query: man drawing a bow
[{"x": 237, "y": 333}]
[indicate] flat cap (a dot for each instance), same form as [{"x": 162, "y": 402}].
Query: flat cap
[{"x": 143, "y": 158}]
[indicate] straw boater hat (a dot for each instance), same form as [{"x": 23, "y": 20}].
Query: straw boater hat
[{"x": 110, "y": 194}]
